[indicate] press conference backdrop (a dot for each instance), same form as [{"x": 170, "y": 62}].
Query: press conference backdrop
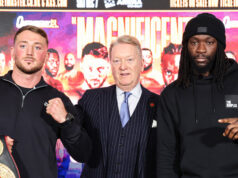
[{"x": 71, "y": 25}]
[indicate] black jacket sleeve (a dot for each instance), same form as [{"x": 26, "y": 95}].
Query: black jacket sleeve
[
  {"x": 74, "y": 137},
  {"x": 88, "y": 108},
  {"x": 168, "y": 139}
]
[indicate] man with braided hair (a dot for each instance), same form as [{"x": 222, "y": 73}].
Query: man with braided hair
[{"x": 198, "y": 118}]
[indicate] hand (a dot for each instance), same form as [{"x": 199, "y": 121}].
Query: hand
[
  {"x": 231, "y": 130},
  {"x": 56, "y": 109},
  {"x": 9, "y": 142}
]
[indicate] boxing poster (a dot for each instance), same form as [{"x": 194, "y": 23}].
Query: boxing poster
[{"x": 79, "y": 43}]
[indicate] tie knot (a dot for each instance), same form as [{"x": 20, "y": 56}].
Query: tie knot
[{"x": 127, "y": 94}]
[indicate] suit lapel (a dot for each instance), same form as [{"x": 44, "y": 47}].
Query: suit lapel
[
  {"x": 147, "y": 119},
  {"x": 106, "y": 102}
]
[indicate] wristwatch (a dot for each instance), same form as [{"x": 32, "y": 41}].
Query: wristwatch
[{"x": 69, "y": 118}]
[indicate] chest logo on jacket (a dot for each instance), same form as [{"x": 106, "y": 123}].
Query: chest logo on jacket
[{"x": 231, "y": 101}]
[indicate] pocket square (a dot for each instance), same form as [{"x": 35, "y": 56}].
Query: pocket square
[{"x": 154, "y": 124}]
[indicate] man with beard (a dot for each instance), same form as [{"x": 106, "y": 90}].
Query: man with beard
[
  {"x": 69, "y": 61},
  {"x": 34, "y": 114},
  {"x": 170, "y": 63},
  {"x": 198, "y": 124},
  {"x": 51, "y": 69},
  {"x": 71, "y": 78},
  {"x": 147, "y": 76},
  {"x": 94, "y": 66}
]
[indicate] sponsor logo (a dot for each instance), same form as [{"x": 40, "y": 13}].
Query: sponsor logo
[
  {"x": 231, "y": 101},
  {"x": 229, "y": 104},
  {"x": 52, "y": 23},
  {"x": 110, "y": 3}
]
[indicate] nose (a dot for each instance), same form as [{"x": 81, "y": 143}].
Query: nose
[
  {"x": 30, "y": 50},
  {"x": 54, "y": 64},
  {"x": 201, "y": 48},
  {"x": 123, "y": 65}
]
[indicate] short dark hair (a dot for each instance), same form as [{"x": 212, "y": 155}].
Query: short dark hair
[
  {"x": 32, "y": 29},
  {"x": 170, "y": 49},
  {"x": 96, "y": 49},
  {"x": 52, "y": 50},
  {"x": 146, "y": 49}
]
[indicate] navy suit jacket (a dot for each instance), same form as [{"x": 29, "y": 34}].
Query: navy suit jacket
[{"x": 96, "y": 106}]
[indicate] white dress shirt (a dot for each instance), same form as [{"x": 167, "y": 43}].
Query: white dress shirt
[{"x": 132, "y": 100}]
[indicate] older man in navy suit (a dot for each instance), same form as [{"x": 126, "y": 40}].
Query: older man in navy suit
[{"x": 120, "y": 118}]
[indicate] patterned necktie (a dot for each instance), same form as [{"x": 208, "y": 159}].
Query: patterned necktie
[{"x": 124, "y": 112}]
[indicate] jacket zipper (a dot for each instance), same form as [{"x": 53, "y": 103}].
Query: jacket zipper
[{"x": 24, "y": 96}]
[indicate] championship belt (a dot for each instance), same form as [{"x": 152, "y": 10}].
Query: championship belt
[{"x": 8, "y": 167}]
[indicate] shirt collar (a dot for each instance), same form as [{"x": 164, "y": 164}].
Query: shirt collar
[{"x": 136, "y": 91}]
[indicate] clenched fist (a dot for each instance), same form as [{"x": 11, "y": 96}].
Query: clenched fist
[{"x": 55, "y": 107}]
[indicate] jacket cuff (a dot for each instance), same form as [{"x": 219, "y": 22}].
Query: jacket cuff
[{"x": 70, "y": 129}]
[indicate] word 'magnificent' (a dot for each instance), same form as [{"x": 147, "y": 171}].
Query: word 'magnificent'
[{"x": 153, "y": 32}]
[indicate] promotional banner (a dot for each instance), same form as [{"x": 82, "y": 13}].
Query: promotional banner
[
  {"x": 119, "y": 4},
  {"x": 79, "y": 42}
]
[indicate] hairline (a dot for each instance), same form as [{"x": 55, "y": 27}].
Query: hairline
[
  {"x": 126, "y": 39},
  {"x": 33, "y": 29}
]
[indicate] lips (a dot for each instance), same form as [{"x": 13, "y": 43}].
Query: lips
[
  {"x": 201, "y": 60},
  {"x": 29, "y": 59},
  {"x": 124, "y": 74}
]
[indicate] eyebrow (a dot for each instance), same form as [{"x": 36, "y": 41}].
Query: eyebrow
[
  {"x": 129, "y": 56},
  {"x": 27, "y": 42}
]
